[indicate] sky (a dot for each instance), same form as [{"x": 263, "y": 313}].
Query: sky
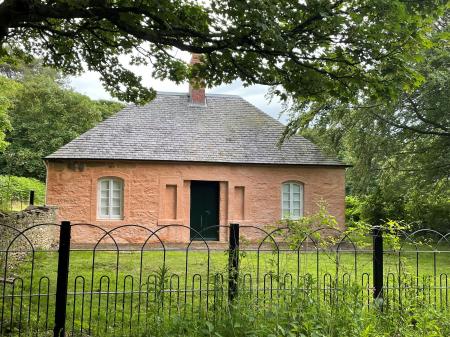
[{"x": 89, "y": 84}]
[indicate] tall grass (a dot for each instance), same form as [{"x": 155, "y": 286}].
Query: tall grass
[{"x": 309, "y": 316}]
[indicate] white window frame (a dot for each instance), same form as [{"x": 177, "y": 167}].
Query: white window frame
[
  {"x": 110, "y": 181},
  {"x": 291, "y": 200}
]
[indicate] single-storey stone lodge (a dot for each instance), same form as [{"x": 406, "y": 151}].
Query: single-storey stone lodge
[{"x": 190, "y": 159}]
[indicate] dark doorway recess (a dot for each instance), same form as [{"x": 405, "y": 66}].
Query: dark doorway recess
[{"x": 205, "y": 210}]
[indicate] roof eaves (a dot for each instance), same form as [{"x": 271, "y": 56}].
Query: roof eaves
[{"x": 50, "y": 158}]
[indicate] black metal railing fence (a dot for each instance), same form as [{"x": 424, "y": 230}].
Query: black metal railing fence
[{"x": 113, "y": 287}]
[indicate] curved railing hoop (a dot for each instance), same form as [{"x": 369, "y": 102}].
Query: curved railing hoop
[
  {"x": 267, "y": 234},
  {"x": 22, "y": 233},
  {"x": 347, "y": 239},
  {"x": 102, "y": 230},
  {"x": 185, "y": 227},
  {"x": 309, "y": 236},
  {"x": 411, "y": 237},
  {"x": 447, "y": 237}
]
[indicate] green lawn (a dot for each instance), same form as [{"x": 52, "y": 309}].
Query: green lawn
[{"x": 188, "y": 288}]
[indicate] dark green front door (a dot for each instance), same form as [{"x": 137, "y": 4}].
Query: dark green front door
[{"x": 205, "y": 210}]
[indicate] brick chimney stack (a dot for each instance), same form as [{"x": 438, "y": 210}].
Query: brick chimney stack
[{"x": 197, "y": 88}]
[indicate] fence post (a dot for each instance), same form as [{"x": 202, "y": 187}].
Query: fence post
[
  {"x": 233, "y": 262},
  {"x": 62, "y": 279},
  {"x": 377, "y": 262},
  {"x": 31, "y": 198}
]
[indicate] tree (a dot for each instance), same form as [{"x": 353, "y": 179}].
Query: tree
[
  {"x": 313, "y": 50},
  {"x": 45, "y": 116},
  {"x": 399, "y": 149},
  {"x": 8, "y": 89}
]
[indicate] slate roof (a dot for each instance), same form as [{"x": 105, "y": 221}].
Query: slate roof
[{"x": 227, "y": 130}]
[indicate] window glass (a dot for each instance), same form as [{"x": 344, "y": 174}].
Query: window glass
[
  {"x": 110, "y": 203},
  {"x": 105, "y": 185},
  {"x": 104, "y": 202},
  {"x": 104, "y": 211},
  {"x": 292, "y": 200},
  {"x": 115, "y": 210}
]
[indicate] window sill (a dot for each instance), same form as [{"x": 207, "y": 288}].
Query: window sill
[{"x": 292, "y": 218}]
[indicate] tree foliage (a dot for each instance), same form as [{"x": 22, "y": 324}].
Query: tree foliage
[
  {"x": 355, "y": 73},
  {"x": 308, "y": 50},
  {"x": 399, "y": 149},
  {"x": 8, "y": 89},
  {"x": 45, "y": 115}
]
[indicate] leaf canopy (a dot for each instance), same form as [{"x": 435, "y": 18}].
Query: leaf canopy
[{"x": 312, "y": 49}]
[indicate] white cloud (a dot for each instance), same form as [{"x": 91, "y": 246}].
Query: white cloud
[{"x": 89, "y": 85}]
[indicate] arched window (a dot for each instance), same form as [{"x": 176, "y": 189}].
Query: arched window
[
  {"x": 110, "y": 198},
  {"x": 292, "y": 200}
]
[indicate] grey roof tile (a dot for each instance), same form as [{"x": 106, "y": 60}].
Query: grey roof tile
[{"x": 227, "y": 130}]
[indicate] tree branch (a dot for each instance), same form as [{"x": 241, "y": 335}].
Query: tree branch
[
  {"x": 416, "y": 111},
  {"x": 408, "y": 127}
]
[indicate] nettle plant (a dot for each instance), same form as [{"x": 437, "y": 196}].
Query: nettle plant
[
  {"x": 323, "y": 228},
  {"x": 312, "y": 226},
  {"x": 392, "y": 231}
]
